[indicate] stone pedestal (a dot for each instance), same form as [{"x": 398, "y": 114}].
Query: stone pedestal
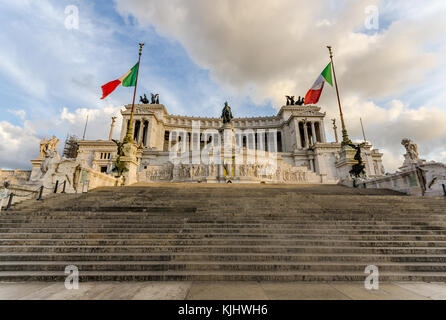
[
  {"x": 344, "y": 164},
  {"x": 36, "y": 173},
  {"x": 227, "y": 132},
  {"x": 131, "y": 163}
]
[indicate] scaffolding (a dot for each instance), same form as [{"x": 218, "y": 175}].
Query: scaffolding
[{"x": 71, "y": 147}]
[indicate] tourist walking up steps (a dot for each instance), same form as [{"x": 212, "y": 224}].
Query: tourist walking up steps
[{"x": 4, "y": 194}]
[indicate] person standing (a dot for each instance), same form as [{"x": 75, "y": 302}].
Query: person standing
[{"x": 4, "y": 194}]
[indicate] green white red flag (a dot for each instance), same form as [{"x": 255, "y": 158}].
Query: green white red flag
[
  {"x": 127, "y": 80},
  {"x": 315, "y": 92}
]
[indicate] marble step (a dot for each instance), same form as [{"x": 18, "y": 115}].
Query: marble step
[
  {"x": 218, "y": 266},
  {"x": 215, "y": 210},
  {"x": 275, "y": 204},
  {"x": 222, "y": 249},
  {"x": 237, "y": 219},
  {"x": 208, "y": 224},
  {"x": 87, "y": 276},
  {"x": 304, "y": 204},
  {"x": 222, "y": 242},
  {"x": 130, "y": 231},
  {"x": 304, "y": 257},
  {"x": 198, "y": 235},
  {"x": 253, "y": 232}
]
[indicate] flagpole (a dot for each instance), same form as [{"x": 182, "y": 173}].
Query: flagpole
[
  {"x": 85, "y": 128},
  {"x": 363, "y": 132},
  {"x": 345, "y": 138},
  {"x": 129, "y": 137}
]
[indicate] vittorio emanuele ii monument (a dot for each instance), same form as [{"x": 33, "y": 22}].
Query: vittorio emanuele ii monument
[
  {"x": 223, "y": 198},
  {"x": 288, "y": 148}
]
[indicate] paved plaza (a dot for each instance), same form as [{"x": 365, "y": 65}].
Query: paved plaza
[{"x": 222, "y": 291}]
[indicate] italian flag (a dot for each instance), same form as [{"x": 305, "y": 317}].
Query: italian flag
[
  {"x": 127, "y": 80},
  {"x": 315, "y": 92}
]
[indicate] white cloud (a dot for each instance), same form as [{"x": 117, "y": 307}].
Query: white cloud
[
  {"x": 249, "y": 49},
  {"x": 21, "y": 143},
  {"x": 21, "y": 114},
  {"x": 263, "y": 50},
  {"x": 386, "y": 127},
  {"x": 47, "y": 61},
  {"x": 99, "y": 121},
  {"x": 275, "y": 48}
]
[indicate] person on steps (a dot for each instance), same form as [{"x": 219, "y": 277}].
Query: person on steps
[{"x": 4, "y": 194}]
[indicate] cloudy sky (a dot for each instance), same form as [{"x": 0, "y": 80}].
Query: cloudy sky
[{"x": 389, "y": 58}]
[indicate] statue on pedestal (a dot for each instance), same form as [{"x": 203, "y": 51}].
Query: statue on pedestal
[
  {"x": 411, "y": 149},
  {"x": 120, "y": 166},
  {"x": 155, "y": 98},
  {"x": 300, "y": 101},
  {"x": 411, "y": 157},
  {"x": 48, "y": 151},
  {"x": 358, "y": 170},
  {"x": 144, "y": 100},
  {"x": 43, "y": 147},
  {"x": 226, "y": 114},
  {"x": 290, "y": 100}
]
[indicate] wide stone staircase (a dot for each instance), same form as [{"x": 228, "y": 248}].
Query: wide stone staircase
[{"x": 225, "y": 232}]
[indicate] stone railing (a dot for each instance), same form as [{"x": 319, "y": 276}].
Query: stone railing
[
  {"x": 97, "y": 179},
  {"x": 405, "y": 182},
  {"x": 22, "y": 193},
  {"x": 430, "y": 181},
  {"x": 72, "y": 177}
]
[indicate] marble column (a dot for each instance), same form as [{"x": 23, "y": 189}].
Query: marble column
[
  {"x": 124, "y": 128},
  {"x": 282, "y": 137},
  {"x": 307, "y": 141},
  {"x": 141, "y": 130},
  {"x": 146, "y": 133},
  {"x": 313, "y": 133},
  {"x": 112, "y": 127},
  {"x": 322, "y": 130},
  {"x": 299, "y": 140}
]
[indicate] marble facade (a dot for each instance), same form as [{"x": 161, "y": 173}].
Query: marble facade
[{"x": 290, "y": 147}]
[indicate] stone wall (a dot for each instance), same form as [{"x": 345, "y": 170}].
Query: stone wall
[
  {"x": 15, "y": 176},
  {"x": 241, "y": 173},
  {"x": 97, "y": 179}
]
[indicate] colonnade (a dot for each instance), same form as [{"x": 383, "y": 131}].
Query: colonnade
[
  {"x": 309, "y": 132},
  {"x": 140, "y": 131}
]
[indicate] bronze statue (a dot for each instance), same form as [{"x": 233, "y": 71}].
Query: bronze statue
[
  {"x": 226, "y": 114},
  {"x": 357, "y": 170},
  {"x": 144, "y": 100},
  {"x": 300, "y": 101},
  {"x": 290, "y": 100},
  {"x": 119, "y": 166},
  {"x": 155, "y": 98}
]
